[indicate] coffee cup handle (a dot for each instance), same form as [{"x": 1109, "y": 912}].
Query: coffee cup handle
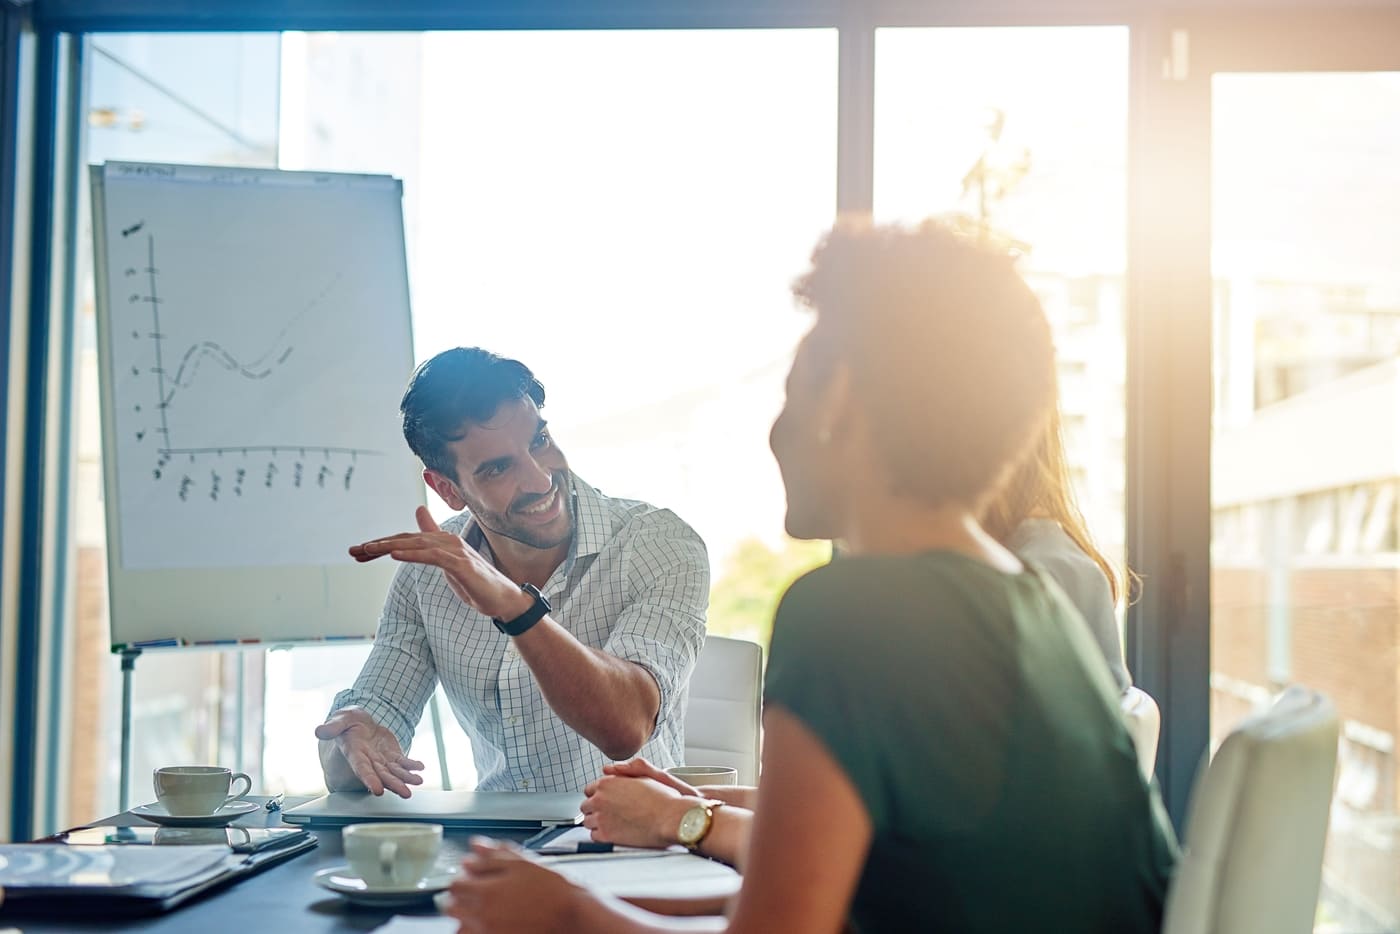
[
  {"x": 387, "y": 851},
  {"x": 247, "y": 787}
]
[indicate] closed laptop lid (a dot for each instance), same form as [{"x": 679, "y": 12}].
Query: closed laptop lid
[{"x": 502, "y": 809}]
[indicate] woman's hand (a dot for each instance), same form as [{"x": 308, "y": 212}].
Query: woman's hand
[
  {"x": 634, "y": 811},
  {"x": 742, "y": 796},
  {"x": 504, "y": 891},
  {"x": 641, "y": 768}
]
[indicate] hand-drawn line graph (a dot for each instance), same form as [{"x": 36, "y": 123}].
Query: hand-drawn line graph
[
  {"x": 255, "y": 369},
  {"x": 168, "y": 385}
]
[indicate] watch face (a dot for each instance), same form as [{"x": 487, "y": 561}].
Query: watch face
[{"x": 693, "y": 825}]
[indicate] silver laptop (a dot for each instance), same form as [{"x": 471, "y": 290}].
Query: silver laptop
[{"x": 503, "y": 810}]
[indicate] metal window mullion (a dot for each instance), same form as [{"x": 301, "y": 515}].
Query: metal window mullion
[
  {"x": 11, "y": 88},
  {"x": 34, "y": 433},
  {"x": 58, "y": 480},
  {"x": 1169, "y": 402},
  {"x": 855, "y": 118}
]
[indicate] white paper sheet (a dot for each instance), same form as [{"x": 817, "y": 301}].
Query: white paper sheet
[
  {"x": 418, "y": 924},
  {"x": 665, "y": 875}
]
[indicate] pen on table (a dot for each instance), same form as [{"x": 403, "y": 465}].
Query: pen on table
[{"x": 275, "y": 802}]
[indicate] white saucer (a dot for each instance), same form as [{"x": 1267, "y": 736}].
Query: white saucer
[
  {"x": 156, "y": 813},
  {"x": 343, "y": 881}
]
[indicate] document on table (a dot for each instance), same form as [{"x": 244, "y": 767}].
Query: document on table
[
  {"x": 666, "y": 874},
  {"x": 659, "y": 874},
  {"x": 418, "y": 924}
]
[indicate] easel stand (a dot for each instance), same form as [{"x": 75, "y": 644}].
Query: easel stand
[{"x": 124, "y": 788}]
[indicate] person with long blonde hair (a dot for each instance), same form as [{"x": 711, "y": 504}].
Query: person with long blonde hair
[{"x": 1036, "y": 516}]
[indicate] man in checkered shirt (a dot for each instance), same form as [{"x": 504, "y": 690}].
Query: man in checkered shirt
[{"x": 563, "y": 624}]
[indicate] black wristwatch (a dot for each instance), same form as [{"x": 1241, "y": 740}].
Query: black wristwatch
[{"x": 527, "y": 619}]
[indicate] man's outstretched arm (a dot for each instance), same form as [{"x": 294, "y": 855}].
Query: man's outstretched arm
[{"x": 612, "y": 697}]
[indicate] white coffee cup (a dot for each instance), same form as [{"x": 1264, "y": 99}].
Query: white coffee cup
[
  {"x": 392, "y": 853},
  {"x": 705, "y": 774},
  {"x": 197, "y": 790}
]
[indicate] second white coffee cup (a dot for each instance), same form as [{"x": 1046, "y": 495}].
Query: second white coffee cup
[
  {"x": 705, "y": 774},
  {"x": 197, "y": 790},
  {"x": 392, "y": 853}
]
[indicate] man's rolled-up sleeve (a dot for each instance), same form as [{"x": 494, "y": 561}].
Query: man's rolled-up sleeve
[{"x": 662, "y": 627}]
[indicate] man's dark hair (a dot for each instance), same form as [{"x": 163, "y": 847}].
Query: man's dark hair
[{"x": 455, "y": 389}]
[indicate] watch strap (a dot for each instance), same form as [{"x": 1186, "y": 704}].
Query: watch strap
[{"x": 530, "y": 617}]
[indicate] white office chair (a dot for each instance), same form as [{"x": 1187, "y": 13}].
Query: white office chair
[
  {"x": 721, "y": 724},
  {"x": 1145, "y": 725},
  {"x": 1252, "y": 863}
]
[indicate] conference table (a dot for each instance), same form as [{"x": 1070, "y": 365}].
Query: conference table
[{"x": 282, "y": 897}]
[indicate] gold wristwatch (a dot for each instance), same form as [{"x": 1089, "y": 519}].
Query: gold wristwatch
[{"x": 696, "y": 823}]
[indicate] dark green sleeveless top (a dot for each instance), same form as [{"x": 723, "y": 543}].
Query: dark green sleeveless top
[{"x": 977, "y": 719}]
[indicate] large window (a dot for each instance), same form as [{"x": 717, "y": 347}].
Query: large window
[
  {"x": 1305, "y": 582},
  {"x": 613, "y": 208},
  {"x": 624, "y": 210}
]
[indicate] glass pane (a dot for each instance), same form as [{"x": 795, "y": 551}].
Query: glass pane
[
  {"x": 1305, "y": 582},
  {"x": 631, "y": 241},
  {"x": 190, "y": 98},
  {"x": 1025, "y": 130}
]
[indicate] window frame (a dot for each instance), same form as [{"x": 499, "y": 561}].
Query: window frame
[
  {"x": 1170, "y": 317},
  {"x": 13, "y": 24},
  {"x": 1168, "y": 277}
]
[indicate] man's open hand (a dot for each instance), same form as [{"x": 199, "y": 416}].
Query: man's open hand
[
  {"x": 372, "y": 752},
  {"x": 474, "y": 579}
]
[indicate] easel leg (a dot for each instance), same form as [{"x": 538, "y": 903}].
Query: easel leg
[
  {"x": 239, "y": 712},
  {"x": 124, "y": 788}
]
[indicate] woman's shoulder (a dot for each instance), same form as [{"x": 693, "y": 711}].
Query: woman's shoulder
[
  {"x": 891, "y": 594},
  {"x": 1041, "y": 535},
  {"x": 860, "y": 618},
  {"x": 1043, "y": 542}
]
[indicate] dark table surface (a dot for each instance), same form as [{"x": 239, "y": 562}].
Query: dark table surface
[{"x": 280, "y": 898}]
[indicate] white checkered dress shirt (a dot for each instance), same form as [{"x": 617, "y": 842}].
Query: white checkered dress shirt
[{"x": 635, "y": 585}]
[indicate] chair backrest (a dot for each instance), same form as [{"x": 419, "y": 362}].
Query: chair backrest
[
  {"x": 721, "y": 724},
  {"x": 1145, "y": 725},
  {"x": 1252, "y": 863}
]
